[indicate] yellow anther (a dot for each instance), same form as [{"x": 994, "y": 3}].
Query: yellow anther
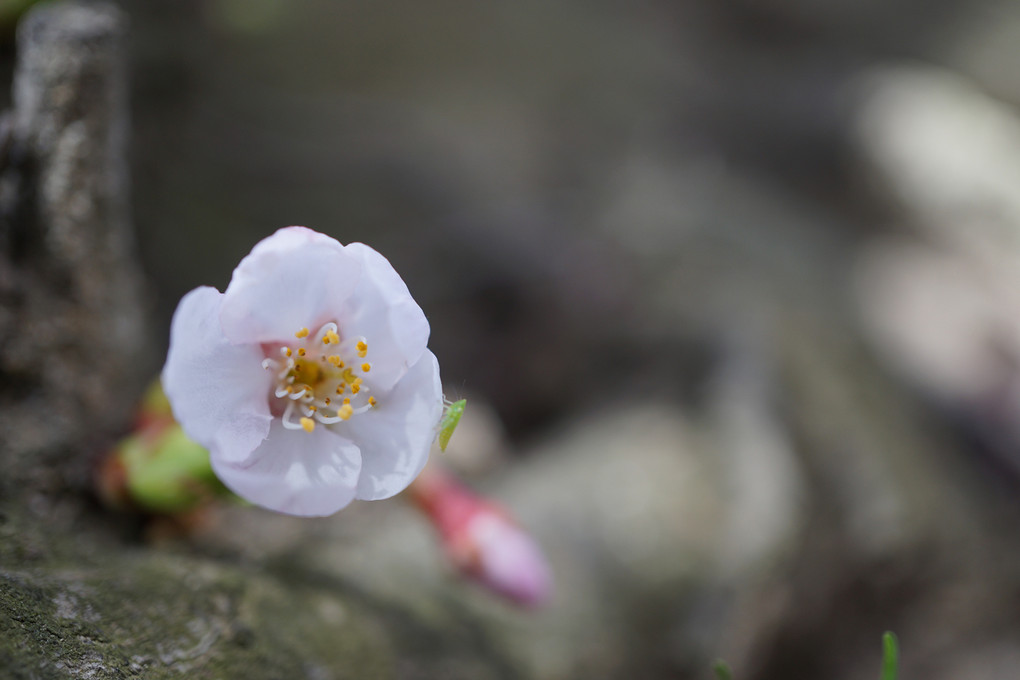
[
  {"x": 341, "y": 387},
  {"x": 287, "y": 351},
  {"x": 362, "y": 355},
  {"x": 290, "y": 389},
  {"x": 362, "y": 346},
  {"x": 301, "y": 352},
  {"x": 307, "y": 423},
  {"x": 335, "y": 360},
  {"x": 356, "y": 386},
  {"x": 371, "y": 401},
  {"x": 347, "y": 400},
  {"x": 345, "y": 411},
  {"x": 329, "y": 337},
  {"x": 348, "y": 376},
  {"x": 303, "y": 333},
  {"x": 366, "y": 367},
  {"x": 326, "y": 400}
]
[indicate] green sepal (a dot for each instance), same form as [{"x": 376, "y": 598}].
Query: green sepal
[
  {"x": 168, "y": 473},
  {"x": 154, "y": 402}
]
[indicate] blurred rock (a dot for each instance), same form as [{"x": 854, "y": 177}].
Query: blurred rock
[
  {"x": 902, "y": 531},
  {"x": 948, "y": 152},
  {"x": 942, "y": 321},
  {"x": 944, "y": 307},
  {"x": 635, "y": 510},
  {"x": 98, "y": 608},
  {"x": 646, "y": 543},
  {"x": 627, "y": 504},
  {"x": 765, "y": 490},
  {"x": 987, "y": 48}
]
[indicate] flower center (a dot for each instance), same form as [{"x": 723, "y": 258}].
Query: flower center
[{"x": 320, "y": 378}]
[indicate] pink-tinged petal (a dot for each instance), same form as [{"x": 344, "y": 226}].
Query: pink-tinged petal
[
  {"x": 218, "y": 391},
  {"x": 294, "y": 279},
  {"x": 395, "y": 436},
  {"x": 310, "y": 474},
  {"x": 383, "y": 311}
]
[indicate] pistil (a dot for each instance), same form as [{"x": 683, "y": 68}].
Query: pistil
[{"x": 313, "y": 373}]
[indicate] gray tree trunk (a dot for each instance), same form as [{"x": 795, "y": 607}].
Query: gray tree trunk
[{"x": 73, "y": 344}]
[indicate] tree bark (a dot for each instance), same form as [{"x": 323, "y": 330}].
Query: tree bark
[{"x": 72, "y": 339}]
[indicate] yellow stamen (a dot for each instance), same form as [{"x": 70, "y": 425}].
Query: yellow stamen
[
  {"x": 303, "y": 333},
  {"x": 301, "y": 352},
  {"x": 326, "y": 401},
  {"x": 341, "y": 387},
  {"x": 335, "y": 360},
  {"x": 345, "y": 411},
  {"x": 366, "y": 367},
  {"x": 356, "y": 386},
  {"x": 329, "y": 337},
  {"x": 371, "y": 401},
  {"x": 287, "y": 351},
  {"x": 347, "y": 400},
  {"x": 307, "y": 423},
  {"x": 362, "y": 346}
]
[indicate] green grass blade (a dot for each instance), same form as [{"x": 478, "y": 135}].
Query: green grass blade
[
  {"x": 890, "y": 656},
  {"x": 722, "y": 670}
]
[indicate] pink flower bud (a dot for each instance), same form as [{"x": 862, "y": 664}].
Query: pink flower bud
[
  {"x": 483, "y": 541},
  {"x": 503, "y": 558}
]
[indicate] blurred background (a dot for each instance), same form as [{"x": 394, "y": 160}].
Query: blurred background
[
  {"x": 731, "y": 285},
  {"x": 566, "y": 187}
]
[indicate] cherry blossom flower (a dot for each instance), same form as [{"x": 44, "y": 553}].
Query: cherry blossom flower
[{"x": 308, "y": 379}]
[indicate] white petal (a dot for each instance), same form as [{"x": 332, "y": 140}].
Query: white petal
[
  {"x": 296, "y": 278},
  {"x": 383, "y": 311},
  {"x": 218, "y": 391},
  {"x": 395, "y": 436},
  {"x": 311, "y": 474}
]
